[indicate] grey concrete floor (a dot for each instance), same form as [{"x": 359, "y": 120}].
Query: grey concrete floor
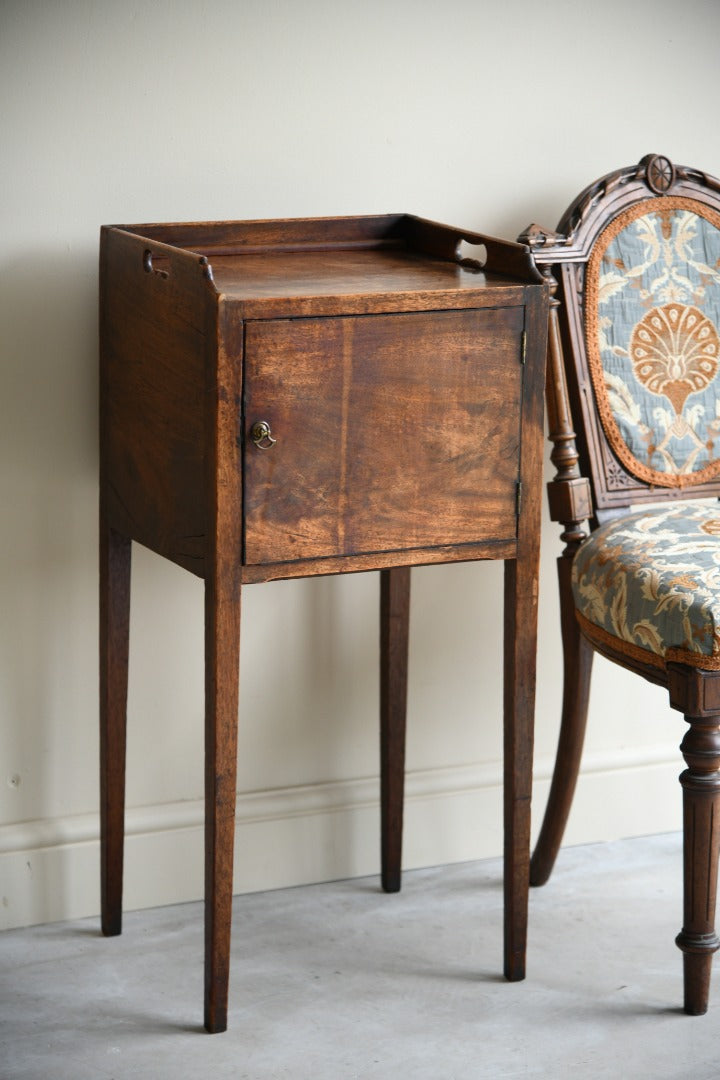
[{"x": 340, "y": 981}]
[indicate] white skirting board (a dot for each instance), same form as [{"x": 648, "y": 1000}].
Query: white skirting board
[{"x": 49, "y": 870}]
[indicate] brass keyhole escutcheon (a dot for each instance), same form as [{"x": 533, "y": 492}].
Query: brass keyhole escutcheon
[{"x": 261, "y": 435}]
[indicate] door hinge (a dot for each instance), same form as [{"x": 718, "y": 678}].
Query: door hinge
[
  {"x": 523, "y": 347},
  {"x": 518, "y": 498}
]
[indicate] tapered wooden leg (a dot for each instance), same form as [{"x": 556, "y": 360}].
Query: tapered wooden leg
[
  {"x": 114, "y": 637},
  {"x": 394, "y": 628},
  {"x": 519, "y": 687},
  {"x": 701, "y": 824},
  {"x": 223, "y": 579},
  {"x": 577, "y": 669},
  {"x": 222, "y": 651}
]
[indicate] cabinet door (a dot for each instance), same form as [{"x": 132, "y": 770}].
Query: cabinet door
[{"x": 393, "y": 432}]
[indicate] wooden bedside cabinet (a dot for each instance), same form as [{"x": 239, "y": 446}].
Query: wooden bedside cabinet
[{"x": 282, "y": 399}]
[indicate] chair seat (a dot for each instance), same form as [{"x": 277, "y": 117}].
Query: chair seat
[{"x": 648, "y": 584}]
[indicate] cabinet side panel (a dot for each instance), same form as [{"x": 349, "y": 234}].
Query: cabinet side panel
[{"x": 157, "y": 324}]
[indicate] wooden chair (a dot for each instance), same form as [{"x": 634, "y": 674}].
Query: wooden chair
[{"x": 634, "y": 359}]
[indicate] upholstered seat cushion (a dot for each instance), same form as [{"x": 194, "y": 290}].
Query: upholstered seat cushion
[{"x": 649, "y": 584}]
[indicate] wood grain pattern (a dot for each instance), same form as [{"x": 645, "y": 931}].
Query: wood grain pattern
[
  {"x": 222, "y": 652},
  {"x": 351, "y": 564},
  {"x": 306, "y": 284},
  {"x": 392, "y": 432},
  {"x": 154, "y": 338},
  {"x": 390, "y": 367}
]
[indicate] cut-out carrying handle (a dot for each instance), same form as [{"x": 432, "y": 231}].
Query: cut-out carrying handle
[
  {"x": 475, "y": 251},
  {"x": 471, "y": 255},
  {"x": 156, "y": 264},
  {"x": 153, "y": 258}
]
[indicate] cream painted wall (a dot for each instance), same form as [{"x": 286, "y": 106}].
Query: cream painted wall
[{"x": 487, "y": 116}]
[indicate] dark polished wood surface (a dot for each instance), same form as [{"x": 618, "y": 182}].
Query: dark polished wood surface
[
  {"x": 393, "y": 432},
  {"x": 283, "y": 399},
  {"x": 342, "y": 276}
]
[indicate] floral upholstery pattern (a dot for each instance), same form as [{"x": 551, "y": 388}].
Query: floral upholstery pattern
[
  {"x": 652, "y": 317},
  {"x": 651, "y": 583}
]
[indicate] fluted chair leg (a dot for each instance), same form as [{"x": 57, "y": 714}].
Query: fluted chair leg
[
  {"x": 577, "y": 662},
  {"x": 701, "y": 822}
]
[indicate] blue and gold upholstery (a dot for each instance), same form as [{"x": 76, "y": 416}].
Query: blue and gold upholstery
[
  {"x": 648, "y": 584},
  {"x": 652, "y": 306}
]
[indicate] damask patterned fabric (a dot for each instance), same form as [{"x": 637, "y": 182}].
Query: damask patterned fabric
[
  {"x": 652, "y": 581},
  {"x": 652, "y": 318}
]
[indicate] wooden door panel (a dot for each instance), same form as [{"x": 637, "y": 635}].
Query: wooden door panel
[{"x": 393, "y": 432}]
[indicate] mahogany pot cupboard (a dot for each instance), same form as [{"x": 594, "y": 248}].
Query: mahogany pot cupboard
[{"x": 281, "y": 399}]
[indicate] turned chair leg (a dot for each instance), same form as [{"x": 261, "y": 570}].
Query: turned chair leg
[
  {"x": 701, "y": 826},
  {"x": 114, "y": 637},
  {"x": 577, "y": 663},
  {"x": 394, "y": 631}
]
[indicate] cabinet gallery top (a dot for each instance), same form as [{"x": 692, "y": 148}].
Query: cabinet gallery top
[{"x": 319, "y": 266}]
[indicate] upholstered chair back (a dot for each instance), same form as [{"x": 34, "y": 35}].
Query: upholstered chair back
[{"x": 638, "y": 261}]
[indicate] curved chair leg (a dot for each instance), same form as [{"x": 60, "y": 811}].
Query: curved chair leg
[
  {"x": 577, "y": 662},
  {"x": 701, "y": 826}
]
